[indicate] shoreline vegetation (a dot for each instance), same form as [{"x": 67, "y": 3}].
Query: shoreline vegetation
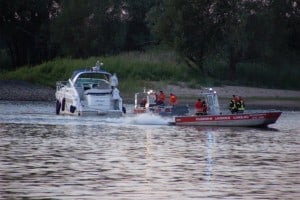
[
  {"x": 255, "y": 98},
  {"x": 162, "y": 69}
]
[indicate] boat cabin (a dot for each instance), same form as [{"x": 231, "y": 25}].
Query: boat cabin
[
  {"x": 91, "y": 81},
  {"x": 211, "y": 98}
]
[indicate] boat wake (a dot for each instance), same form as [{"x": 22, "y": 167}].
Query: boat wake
[
  {"x": 146, "y": 119},
  {"x": 52, "y": 119}
]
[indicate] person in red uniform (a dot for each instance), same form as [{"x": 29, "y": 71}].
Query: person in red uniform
[
  {"x": 198, "y": 107},
  {"x": 161, "y": 98},
  {"x": 143, "y": 103},
  {"x": 173, "y": 99}
]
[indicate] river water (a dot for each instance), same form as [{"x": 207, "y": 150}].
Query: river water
[{"x": 44, "y": 156}]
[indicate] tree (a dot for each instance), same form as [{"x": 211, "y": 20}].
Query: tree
[
  {"x": 286, "y": 32},
  {"x": 24, "y": 29},
  {"x": 69, "y": 30},
  {"x": 93, "y": 28},
  {"x": 257, "y": 30},
  {"x": 138, "y": 33},
  {"x": 187, "y": 26},
  {"x": 231, "y": 16},
  {"x": 237, "y": 30}
]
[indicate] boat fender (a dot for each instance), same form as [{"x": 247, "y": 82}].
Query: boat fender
[
  {"x": 72, "y": 108},
  {"x": 63, "y": 104},
  {"x": 58, "y": 105},
  {"x": 124, "y": 110}
]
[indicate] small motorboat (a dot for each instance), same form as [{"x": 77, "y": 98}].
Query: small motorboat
[
  {"x": 88, "y": 92},
  {"x": 214, "y": 117},
  {"x": 145, "y": 102}
]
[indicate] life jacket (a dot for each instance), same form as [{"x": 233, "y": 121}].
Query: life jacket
[
  {"x": 198, "y": 107},
  {"x": 232, "y": 104},
  {"x": 241, "y": 105},
  {"x": 173, "y": 100},
  {"x": 161, "y": 97}
]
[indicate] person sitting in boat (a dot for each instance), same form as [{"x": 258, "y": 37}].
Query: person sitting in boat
[
  {"x": 161, "y": 99},
  {"x": 116, "y": 97},
  {"x": 233, "y": 104},
  {"x": 143, "y": 103},
  {"x": 198, "y": 107},
  {"x": 173, "y": 99},
  {"x": 240, "y": 105}
]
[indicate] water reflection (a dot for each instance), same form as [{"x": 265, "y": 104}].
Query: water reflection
[
  {"x": 54, "y": 157},
  {"x": 209, "y": 143}
]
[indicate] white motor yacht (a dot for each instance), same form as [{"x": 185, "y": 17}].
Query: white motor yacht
[{"x": 89, "y": 92}]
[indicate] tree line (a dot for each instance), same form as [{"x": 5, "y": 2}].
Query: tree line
[{"x": 267, "y": 31}]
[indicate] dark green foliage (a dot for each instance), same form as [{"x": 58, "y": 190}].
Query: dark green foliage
[
  {"x": 238, "y": 31},
  {"x": 218, "y": 40},
  {"x": 137, "y": 70},
  {"x": 187, "y": 26},
  {"x": 25, "y": 30}
]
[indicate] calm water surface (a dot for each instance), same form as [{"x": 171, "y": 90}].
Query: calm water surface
[{"x": 44, "y": 156}]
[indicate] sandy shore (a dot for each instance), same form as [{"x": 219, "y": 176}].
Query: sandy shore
[
  {"x": 13, "y": 90},
  {"x": 255, "y": 98}
]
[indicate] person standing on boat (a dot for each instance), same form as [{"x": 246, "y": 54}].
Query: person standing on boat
[
  {"x": 161, "y": 98},
  {"x": 233, "y": 104},
  {"x": 173, "y": 99},
  {"x": 116, "y": 97},
  {"x": 114, "y": 80},
  {"x": 241, "y": 105},
  {"x": 198, "y": 107}
]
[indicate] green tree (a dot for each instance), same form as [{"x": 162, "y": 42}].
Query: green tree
[
  {"x": 231, "y": 15},
  {"x": 239, "y": 31},
  {"x": 68, "y": 29},
  {"x": 187, "y": 26},
  {"x": 256, "y": 30},
  {"x": 91, "y": 28},
  {"x": 24, "y": 29},
  {"x": 285, "y": 38},
  {"x": 138, "y": 33}
]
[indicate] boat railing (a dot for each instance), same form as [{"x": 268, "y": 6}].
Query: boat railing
[{"x": 61, "y": 84}]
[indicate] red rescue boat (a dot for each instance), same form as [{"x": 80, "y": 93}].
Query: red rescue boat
[
  {"x": 245, "y": 119},
  {"x": 214, "y": 117}
]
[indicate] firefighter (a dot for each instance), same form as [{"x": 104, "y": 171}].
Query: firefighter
[
  {"x": 233, "y": 104},
  {"x": 198, "y": 107},
  {"x": 241, "y": 105},
  {"x": 173, "y": 99}
]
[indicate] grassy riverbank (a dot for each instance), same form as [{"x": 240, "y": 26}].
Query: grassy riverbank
[{"x": 137, "y": 70}]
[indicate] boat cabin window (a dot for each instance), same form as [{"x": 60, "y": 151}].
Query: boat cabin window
[{"x": 93, "y": 80}]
